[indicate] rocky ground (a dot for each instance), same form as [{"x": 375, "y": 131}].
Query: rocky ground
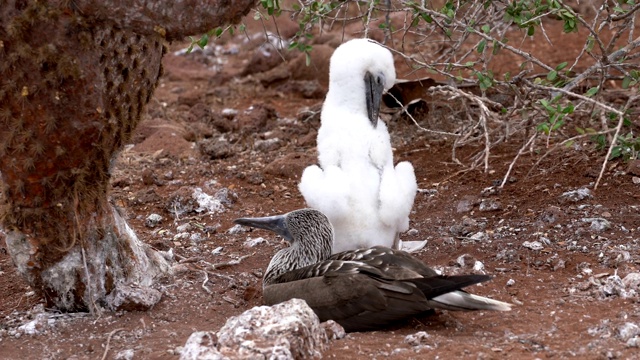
[{"x": 228, "y": 135}]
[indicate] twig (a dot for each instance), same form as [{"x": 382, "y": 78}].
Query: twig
[
  {"x": 106, "y": 349},
  {"x": 204, "y": 283},
  {"x": 563, "y": 143},
  {"x": 614, "y": 140},
  {"x": 405, "y": 110},
  {"x": 506, "y": 176},
  {"x": 230, "y": 301},
  {"x": 629, "y": 13},
  {"x": 228, "y": 263},
  {"x": 613, "y": 57}
]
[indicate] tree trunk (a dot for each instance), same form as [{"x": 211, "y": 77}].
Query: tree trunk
[{"x": 72, "y": 90}]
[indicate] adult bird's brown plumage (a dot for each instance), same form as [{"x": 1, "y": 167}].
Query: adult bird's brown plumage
[{"x": 364, "y": 289}]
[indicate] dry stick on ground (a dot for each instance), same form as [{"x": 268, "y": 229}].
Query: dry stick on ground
[
  {"x": 204, "y": 283},
  {"x": 520, "y": 152},
  {"x": 406, "y": 111},
  {"x": 228, "y": 263},
  {"x": 484, "y": 113},
  {"x": 615, "y": 138},
  {"x": 106, "y": 348},
  {"x": 557, "y": 146}
]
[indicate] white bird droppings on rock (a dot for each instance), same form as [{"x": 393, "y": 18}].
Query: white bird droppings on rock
[
  {"x": 207, "y": 202},
  {"x": 289, "y": 330}
]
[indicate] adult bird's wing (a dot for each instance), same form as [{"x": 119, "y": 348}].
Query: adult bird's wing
[
  {"x": 397, "y": 263},
  {"x": 360, "y": 296}
]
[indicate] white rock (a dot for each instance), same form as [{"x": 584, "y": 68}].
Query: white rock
[
  {"x": 236, "y": 229},
  {"x": 577, "y": 195},
  {"x": 206, "y": 202},
  {"x": 201, "y": 345},
  {"x": 478, "y": 266},
  {"x": 419, "y": 338},
  {"x": 125, "y": 355},
  {"x": 628, "y": 330},
  {"x": 533, "y": 245},
  {"x": 598, "y": 224},
  {"x": 289, "y": 330},
  {"x": 632, "y": 281},
  {"x": 253, "y": 242},
  {"x": 152, "y": 220},
  {"x": 229, "y": 113}
]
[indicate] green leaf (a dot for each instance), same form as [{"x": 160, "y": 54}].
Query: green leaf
[
  {"x": 486, "y": 28},
  {"x": 592, "y": 91},
  {"x": 307, "y": 58},
  {"x": 615, "y": 152},
  {"x": 531, "y": 30},
  {"x": 626, "y": 82},
  {"x": 552, "y": 75},
  {"x": 481, "y": 45},
  {"x": 590, "y": 43},
  {"x": 580, "y": 130},
  {"x": 562, "y": 66},
  {"x": 204, "y": 40},
  {"x": 557, "y": 125},
  {"x": 469, "y": 64}
]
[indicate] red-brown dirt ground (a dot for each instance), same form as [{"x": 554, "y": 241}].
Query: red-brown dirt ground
[{"x": 553, "y": 256}]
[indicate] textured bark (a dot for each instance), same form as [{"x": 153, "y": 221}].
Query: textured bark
[
  {"x": 176, "y": 19},
  {"x": 72, "y": 90}
]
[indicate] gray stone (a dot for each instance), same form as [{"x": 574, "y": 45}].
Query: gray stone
[
  {"x": 152, "y": 220},
  {"x": 131, "y": 297},
  {"x": 627, "y": 331},
  {"x": 533, "y": 245},
  {"x": 577, "y": 195}
]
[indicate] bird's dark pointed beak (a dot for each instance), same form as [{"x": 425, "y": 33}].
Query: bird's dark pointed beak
[
  {"x": 275, "y": 223},
  {"x": 374, "y": 86}
]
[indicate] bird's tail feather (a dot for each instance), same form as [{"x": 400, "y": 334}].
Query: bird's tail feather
[
  {"x": 444, "y": 292},
  {"x": 463, "y": 301}
]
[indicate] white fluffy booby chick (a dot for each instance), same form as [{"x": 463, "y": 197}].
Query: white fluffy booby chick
[{"x": 365, "y": 197}]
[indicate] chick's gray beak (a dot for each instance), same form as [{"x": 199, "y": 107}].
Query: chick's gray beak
[
  {"x": 275, "y": 223},
  {"x": 373, "y": 86}
]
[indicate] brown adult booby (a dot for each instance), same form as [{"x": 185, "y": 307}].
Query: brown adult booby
[{"x": 364, "y": 289}]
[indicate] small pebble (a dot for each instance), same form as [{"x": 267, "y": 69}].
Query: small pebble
[
  {"x": 533, "y": 245},
  {"x": 152, "y": 220}
]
